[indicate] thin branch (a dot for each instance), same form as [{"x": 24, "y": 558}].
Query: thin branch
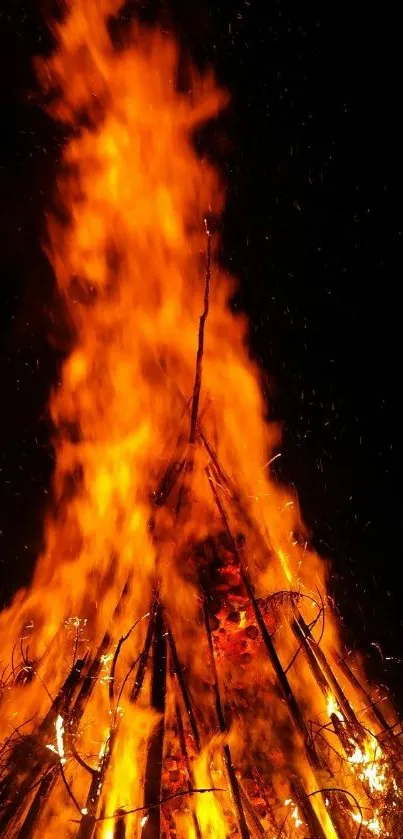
[
  {"x": 123, "y": 685},
  {"x": 327, "y": 790},
  {"x": 81, "y": 760},
  {"x": 117, "y": 651},
  {"x": 160, "y": 803},
  {"x": 68, "y": 788},
  {"x": 300, "y": 647},
  {"x": 200, "y": 347}
]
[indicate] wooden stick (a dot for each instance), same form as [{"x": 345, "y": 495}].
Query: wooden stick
[
  {"x": 153, "y": 774},
  {"x": 335, "y": 686},
  {"x": 141, "y": 671},
  {"x": 352, "y": 678},
  {"x": 305, "y": 804},
  {"x": 286, "y": 689},
  {"x": 191, "y": 784},
  {"x": 243, "y": 827},
  {"x": 200, "y": 346},
  {"x": 42, "y": 795},
  {"x": 183, "y": 688}
]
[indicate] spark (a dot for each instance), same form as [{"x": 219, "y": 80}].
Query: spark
[{"x": 272, "y": 459}]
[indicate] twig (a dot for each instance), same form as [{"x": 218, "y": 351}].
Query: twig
[
  {"x": 327, "y": 790},
  {"x": 182, "y": 740},
  {"x": 68, "y": 788},
  {"x": 153, "y": 770},
  {"x": 200, "y": 347},
  {"x": 123, "y": 814},
  {"x": 138, "y": 683},
  {"x": 81, "y": 760},
  {"x": 183, "y": 688},
  {"x": 116, "y": 655}
]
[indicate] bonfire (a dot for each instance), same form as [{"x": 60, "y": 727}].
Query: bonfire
[{"x": 175, "y": 668}]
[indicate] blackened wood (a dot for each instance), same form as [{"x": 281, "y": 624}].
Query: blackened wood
[
  {"x": 183, "y": 688},
  {"x": 65, "y": 695},
  {"x": 88, "y": 821},
  {"x": 306, "y": 806},
  {"x": 153, "y": 773},
  {"x": 168, "y": 482},
  {"x": 88, "y": 683},
  {"x": 320, "y": 679},
  {"x": 119, "y": 830},
  {"x": 141, "y": 670},
  {"x": 23, "y": 769},
  {"x": 190, "y": 782},
  {"x": 42, "y": 795},
  {"x": 345, "y": 706},
  {"x": 26, "y": 769},
  {"x": 356, "y": 684}
]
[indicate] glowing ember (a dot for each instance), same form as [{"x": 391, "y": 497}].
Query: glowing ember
[{"x": 168, "y": 671}]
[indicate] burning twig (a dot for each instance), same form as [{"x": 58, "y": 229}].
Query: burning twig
[
  {"x": 119, "y": 645},
  {"x": 152, "y": 782},
  {"x": 352, "y": 678},
  {"x": 344, "y": 792},
  {"x": 68, "y": 788},
  {"x": 183, "y": 688},
  {"x": 308, "y": 811},
  {"x": 182, "y": 740},
  {"x": 200, "y": 346},
  {"x": 123, "y": 813},
  {"x": 138, "y": 682}
]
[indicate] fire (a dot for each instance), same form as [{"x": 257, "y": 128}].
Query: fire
[
  {"x": 333, "y": 708},
  {"x": 168, "y": 670},
  {"x": 59, "y": 748},
  {"x": 370, "y": 765}
]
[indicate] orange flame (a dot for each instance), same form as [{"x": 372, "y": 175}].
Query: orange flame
[{"x": 128, "y": 252}]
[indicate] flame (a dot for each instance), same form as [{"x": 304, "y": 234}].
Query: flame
[
  {"x": 370, "y": 763},
  {"x": 162, "y": 503},
  {"x": 373, "y": 824},
  {"x": 333, "y": 707},
  {"x": 295, "y": 816},
  {"x": 59, "y": 748}
]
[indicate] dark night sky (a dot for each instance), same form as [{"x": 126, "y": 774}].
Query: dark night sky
[{"x": 312, "y": 164}]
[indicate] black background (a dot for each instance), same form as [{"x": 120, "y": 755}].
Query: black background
[{"x": 312, "y": 229}]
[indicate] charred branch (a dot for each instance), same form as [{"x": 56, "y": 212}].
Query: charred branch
[
  {"x": 153, "y": 773},
  {"x": 178, "y": 670}
]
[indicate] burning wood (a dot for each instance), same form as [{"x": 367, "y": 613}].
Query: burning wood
[{"x": 181, "y": 676}]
